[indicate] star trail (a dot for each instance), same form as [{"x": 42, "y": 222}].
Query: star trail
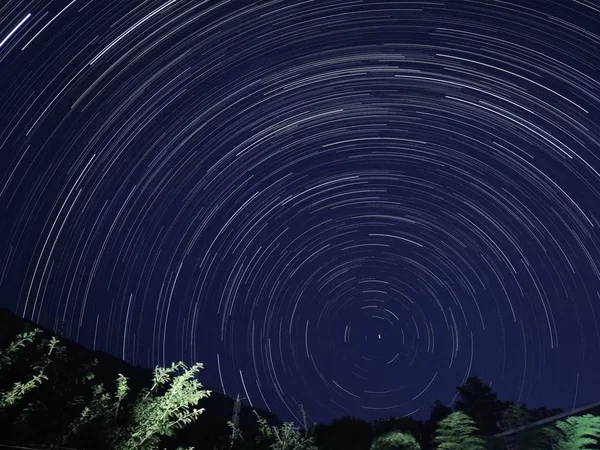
[{"x": 349, "y": 205}]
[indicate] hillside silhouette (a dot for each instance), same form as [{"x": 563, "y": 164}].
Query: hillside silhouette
[
  {"x": 59, "y": 398},
  {"x": 209, "y": 431}
]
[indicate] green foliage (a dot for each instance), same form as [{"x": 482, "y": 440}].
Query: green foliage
[
  {"x": 285, "y": 437},
  {"x": 404, "y": 424},
  {"x": 170, "y": 404},
  {"x": 395, "y": 440},
  {"x": 236, "y": 433},
  {"x": 48, "y": 351},
  {"x": 97, "y": 407},
  {"x": 439, "y": 412},
  {"x": 9, "y": 356},
  {"x": 122, "y": 389},
  {"x": 578, "y": 432},
  {"x": 514, "y": 416},
  {"x": 458, "y": 432},
  {"x": 140, "y": 423},
  {"x": 114, "y": 420}
]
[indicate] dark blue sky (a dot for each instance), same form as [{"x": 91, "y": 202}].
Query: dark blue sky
[{"x": 349, "y": 205}]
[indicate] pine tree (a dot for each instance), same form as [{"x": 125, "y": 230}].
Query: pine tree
[
  {"x": 395, "y": 440},
  {"x": 458, "y": 432}
]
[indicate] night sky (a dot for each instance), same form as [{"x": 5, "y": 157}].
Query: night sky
[{"x": 350, "y": 205}]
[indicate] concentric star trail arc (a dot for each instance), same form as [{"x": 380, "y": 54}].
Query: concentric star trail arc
[{"x": 351, "y": 206}]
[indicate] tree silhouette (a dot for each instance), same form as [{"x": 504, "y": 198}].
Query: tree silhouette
[
  {"x": 515, "y": 416},
  {"x": 543, "y": 413},
  {"x": 439, "y": 412},
  {"x": 395, "y": 440},
  {"x": 346, "y": 433},
  {"x": 458, "y": 432},
  {"x": 478, "y": 401}
]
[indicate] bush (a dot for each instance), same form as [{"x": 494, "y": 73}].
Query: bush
[{"x": 395, "y": 440}]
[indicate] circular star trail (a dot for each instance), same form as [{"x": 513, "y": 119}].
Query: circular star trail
[{"x": 347, "y": 205}]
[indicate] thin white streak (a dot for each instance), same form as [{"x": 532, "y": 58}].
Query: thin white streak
[
  {"x": 15, "y": 29},
  {"x": 45, "y": 26}
]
